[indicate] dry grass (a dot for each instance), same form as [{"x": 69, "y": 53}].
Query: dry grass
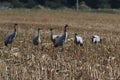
[{"x": 91, "y": 62}]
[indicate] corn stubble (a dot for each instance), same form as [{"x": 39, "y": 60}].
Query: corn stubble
[{"x": 44, "y": 62}]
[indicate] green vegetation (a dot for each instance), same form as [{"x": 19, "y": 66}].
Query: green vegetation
[{"x": 95, "y": 4}]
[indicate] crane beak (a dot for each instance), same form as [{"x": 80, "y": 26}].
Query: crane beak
[{"x": 16, "y": 24}]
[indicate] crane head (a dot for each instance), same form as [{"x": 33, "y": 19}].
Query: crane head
[
  {"x": 51, "y": 29},
  {"x": 93, "y": 36},
  {"x": 39, "y": 29},
  {"x": 16, "y": 24},
  {"x": 66, "y": 25},
  {"x": 75, "y": 33}
]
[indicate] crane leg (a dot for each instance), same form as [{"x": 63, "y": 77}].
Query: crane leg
[
  {"x": 62, "y": 49},
  {"x": 10, "y": 47}
]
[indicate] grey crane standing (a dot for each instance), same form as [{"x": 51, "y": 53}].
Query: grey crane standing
[
  {"x": 52, "y": 36},
  {"x": 36, "y": 39},
  {"x": 60, "y": 40},
  {"x": 10, "y": 37},
  {"x": 78, "y": 40}
]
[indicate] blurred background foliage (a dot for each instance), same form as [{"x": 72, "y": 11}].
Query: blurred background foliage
[{"x": 55, "y": 4}]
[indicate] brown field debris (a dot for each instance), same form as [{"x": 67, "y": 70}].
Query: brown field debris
[{"x": 44, "y": 62}]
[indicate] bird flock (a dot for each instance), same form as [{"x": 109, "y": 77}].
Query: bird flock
[{"x": 57, "y": 39}]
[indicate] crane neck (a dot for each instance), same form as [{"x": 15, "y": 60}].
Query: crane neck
[
  {"x": 51, "y": 35},
  {"x": 38, "y": 32},
  {"x": 65, "y": 28},
  {"x": 51, "y": 32},
  {"x": 15, "y": 28},
  {"x": 75, "y": 35}
]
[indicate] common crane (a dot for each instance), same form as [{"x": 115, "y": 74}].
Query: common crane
[
  {"x": 36, "y": 39},
  {"x": 10, "y": 37},
  {"x": 59, "y": 41},
  {"x": 53, "y": 36},
  {"x": 96, "y": 39},
  {"x": 78, "y": 40}
]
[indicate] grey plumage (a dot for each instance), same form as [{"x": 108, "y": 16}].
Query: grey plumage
[
  {"x": 78, "y": 40},
  {"x": 10, "y": 37},
  {"x": 52, "y": 36},
  {"x": 36, "y": 39},
  {"x": 59, "y": 41}
]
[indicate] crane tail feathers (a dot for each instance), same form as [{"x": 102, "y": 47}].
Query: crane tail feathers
[
  {"x": 55, "y": 45},
  {"x": 100, "y": 40},
  {"x": 6, "y": 44},
  {"x": 81, "y": 44}
]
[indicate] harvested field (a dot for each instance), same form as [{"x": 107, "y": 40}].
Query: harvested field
[{"x": 44, "y": 62}]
